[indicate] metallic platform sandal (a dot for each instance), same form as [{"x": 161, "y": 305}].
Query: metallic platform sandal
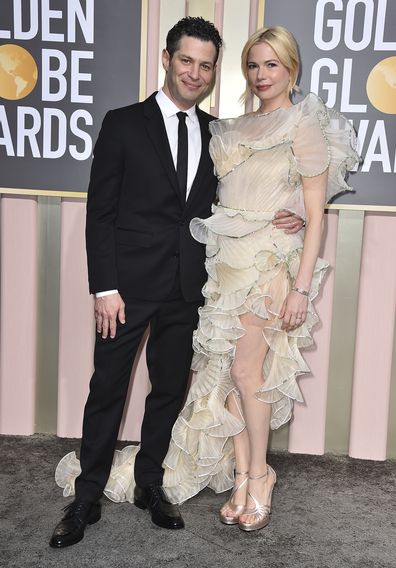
[
  {"x": 261, "y": 512},
  {"x": 236, "y": 509}
]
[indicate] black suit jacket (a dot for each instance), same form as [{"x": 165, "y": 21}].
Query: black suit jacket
[{"x": 137, "y": 230}]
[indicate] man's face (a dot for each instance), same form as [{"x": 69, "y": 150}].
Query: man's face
[{"x": 190, "y": 72}]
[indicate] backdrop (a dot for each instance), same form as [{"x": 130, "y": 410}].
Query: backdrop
[{"x": 46, "y": 319}]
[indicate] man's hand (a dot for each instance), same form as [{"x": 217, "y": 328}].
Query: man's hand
[
  {"x": 107, "y": 309},
  {"x": 288, "y": 221}
]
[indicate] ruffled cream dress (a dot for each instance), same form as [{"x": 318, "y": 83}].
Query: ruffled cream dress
[{"x": 259, "y": 160}]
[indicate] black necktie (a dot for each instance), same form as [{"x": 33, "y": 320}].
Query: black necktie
[{"x": 182, "y": 153}]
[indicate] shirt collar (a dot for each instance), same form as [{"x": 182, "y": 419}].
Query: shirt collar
[{"x": 168, "y": 107}]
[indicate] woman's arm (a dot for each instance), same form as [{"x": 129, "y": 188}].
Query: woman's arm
[{"x": 294, "y": 309}]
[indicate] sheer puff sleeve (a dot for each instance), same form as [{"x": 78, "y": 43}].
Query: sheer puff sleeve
[{"x": 324, "y": 140}]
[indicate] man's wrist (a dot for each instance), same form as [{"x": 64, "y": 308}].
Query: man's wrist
[{"x": 105, "y": 293}]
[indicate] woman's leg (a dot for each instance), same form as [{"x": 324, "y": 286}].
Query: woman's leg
[
  {"x": 242, "y": 460},
  {"x": 247, "y": 373}
]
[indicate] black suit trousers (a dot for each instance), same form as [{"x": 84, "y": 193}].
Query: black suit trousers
[{"x": 169, "y": 353}]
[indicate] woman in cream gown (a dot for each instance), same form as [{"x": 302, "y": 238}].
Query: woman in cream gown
[{"x": 258, "y": 310}]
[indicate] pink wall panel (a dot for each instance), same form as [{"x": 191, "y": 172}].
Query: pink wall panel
[
  {"x": 153, "y": 18},
  {"x": 253, "y": 16},
  {"x": 374, "y": 340},
  {"x": 138, "y": 390},
  {"x": 252, "y": 28},
  {"x": 18, "y": 304},
  {"x": 76, "y": 322},
  {"x": 218, "y": 22},
  {"x": 307, "y": 430}
]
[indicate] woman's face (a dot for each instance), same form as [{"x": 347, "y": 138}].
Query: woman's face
[{"x": 267, "y": 77}]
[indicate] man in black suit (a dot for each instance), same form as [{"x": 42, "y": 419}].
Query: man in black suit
[{"x": 151, "y": 175}]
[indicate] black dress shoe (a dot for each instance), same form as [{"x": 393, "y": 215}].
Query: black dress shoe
[
  {"x": 71, "y": 528},
  {"x": 163, "y": 513}
]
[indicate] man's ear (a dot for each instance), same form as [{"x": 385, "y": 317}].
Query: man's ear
[{"x": 165, "y": 59}]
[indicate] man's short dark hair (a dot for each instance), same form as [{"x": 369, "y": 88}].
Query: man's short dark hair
[{"x": 193, "y": 27}]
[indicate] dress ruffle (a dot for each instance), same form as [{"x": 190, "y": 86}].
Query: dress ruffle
[
  {"x": 339, "y": 138},
  {"x": 121, "y": 482}
]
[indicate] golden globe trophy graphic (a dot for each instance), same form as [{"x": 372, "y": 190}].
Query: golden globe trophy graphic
[
  {"x": 18, "y": 72},
  {"x": 381, "y": 86}
]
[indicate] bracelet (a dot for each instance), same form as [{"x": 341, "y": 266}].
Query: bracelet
[{"x": 301, "y": 291}]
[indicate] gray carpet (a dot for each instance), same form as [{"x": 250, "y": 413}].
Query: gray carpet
[{"x": 328, "y": 512}]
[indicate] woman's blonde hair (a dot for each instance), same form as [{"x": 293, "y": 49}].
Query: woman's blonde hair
[{"x": 285, "y": 47}]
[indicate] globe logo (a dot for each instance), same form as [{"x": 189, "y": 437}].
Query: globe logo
[
  {"x": 18, "y": 72},
  {"x": 381, "y": 86}
]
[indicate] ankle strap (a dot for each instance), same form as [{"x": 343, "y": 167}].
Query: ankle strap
[
  {"x": 241, "y": 472},
  {"x": 258, "y": 476}
]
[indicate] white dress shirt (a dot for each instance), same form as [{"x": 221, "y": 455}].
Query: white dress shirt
[{"x": 169, "y": 113}]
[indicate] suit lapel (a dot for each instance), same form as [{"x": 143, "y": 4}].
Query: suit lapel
[
  {"x": 157, "y": 133},
  {"x": 205, "y": 161}
]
